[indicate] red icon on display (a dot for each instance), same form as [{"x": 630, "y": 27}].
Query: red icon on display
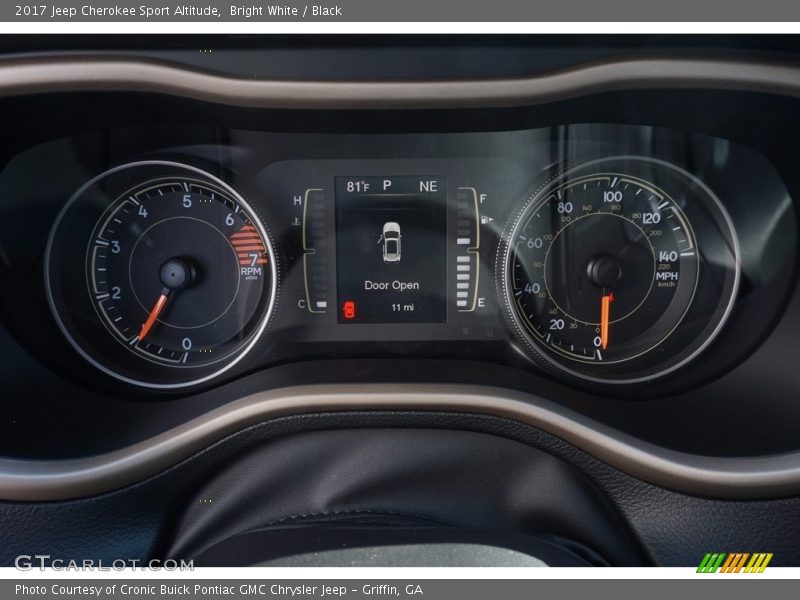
[{"x": 349, "y": 309}]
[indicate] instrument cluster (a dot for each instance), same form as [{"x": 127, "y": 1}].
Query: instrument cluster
[{"x": 600, "y": 255}]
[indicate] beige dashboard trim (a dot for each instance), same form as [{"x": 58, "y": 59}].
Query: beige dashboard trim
[
  {"x": 763, "y": 477},
  {"x": 30, "y": 75}
]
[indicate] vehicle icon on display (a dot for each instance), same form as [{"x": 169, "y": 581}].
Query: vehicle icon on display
[{"x": 391, "y": 242}]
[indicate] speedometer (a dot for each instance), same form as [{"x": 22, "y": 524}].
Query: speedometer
[{"x": 621, "y": 269}]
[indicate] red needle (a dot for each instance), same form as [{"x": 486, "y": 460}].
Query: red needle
[
  {"x": 153, "y": 316},
  {"x": 605, "y": 317}
]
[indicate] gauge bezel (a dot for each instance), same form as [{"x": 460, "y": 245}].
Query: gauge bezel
[
  {"x": 561, "y": 364},
  {"x": 227, "y": 362}
]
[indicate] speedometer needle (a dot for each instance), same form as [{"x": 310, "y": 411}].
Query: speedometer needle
[
  {"x": 605, "y": 317},
  {"x": 153, "y": 316}
]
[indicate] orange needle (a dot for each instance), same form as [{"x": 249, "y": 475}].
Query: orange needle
[
  {"x": 151, "y": 318},
  {"x": 605, "y": 317}
]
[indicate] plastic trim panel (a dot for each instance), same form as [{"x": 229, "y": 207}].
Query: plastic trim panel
[
  {"x": 105, "y": 74},
  {"x": 760, "y": 477}
]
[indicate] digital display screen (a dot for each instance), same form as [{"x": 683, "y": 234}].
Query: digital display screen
[{"x": 391, "y": 249}]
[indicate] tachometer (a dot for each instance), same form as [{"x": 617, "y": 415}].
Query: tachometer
[
  {"x": 620, "y": 269},
  {"x": 177, "y": 276}
]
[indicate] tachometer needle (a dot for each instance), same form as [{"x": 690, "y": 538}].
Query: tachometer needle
[
  {"x": 153, "y": 316},
  {"x": 605, "y": 317}
]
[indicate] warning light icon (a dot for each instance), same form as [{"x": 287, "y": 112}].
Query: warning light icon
[{"x": 349, "y": 309}]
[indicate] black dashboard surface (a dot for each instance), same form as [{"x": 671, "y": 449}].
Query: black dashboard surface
[{"x": 610, "y": 265}]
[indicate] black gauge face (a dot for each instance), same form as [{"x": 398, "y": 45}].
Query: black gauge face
[
  {"x": 603, "y": 266},
  {"x": 596, "y": 276},
  {"x": 176, "y": 269},
  {"x": 179, "y": 273}
]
